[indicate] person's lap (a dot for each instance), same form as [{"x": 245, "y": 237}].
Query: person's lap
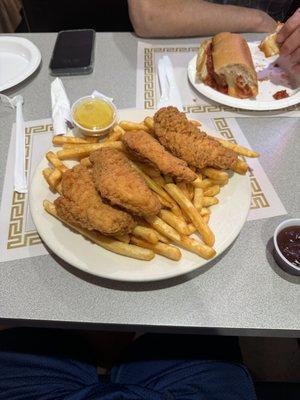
[{"x": 155, "y": 367}]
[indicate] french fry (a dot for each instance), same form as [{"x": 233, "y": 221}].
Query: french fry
[
  {"x": 183, "y": 187},
  {"x": 92, "y": 139},
  {"x": 206, "y": 218},
  {"x": 159, "y": 180},
  {"x": 212, "y": 191},
  {"x": 46, "y": 173},
  {"x": 164, "y": 202},
  {"x": 149, "y": 122},
  {"x": 196, "y": 247},
  {"x": 240, "y": 167},
  {"x": 55, "y": 178},
  {"x": 174, "y": 221},
  {"x": 133, "y": 126},
  {"x": 116, "y": 133},
  {"x": 153, "y": 185},
  {"x": 171, "y": 252},
  {"x": 205, "y": 211},
  {"x": 191, "y": 190},
  {"x": 123, "y": 238},
  {"x": 72, "y": 145},
  {"x": 55, "y": 161},
  {"x": 52, "y": 176},
  {"x": 106, "y": 242},
  {"x": 84, "y": 150},
  {"x": 214, "y": 173},
  {"x": 162, "y": 227},
  {"x": 59, "y": 188},
  {"x": 218, "y": 182},
  {"x": 204, "y": 230},
  {"x": 243, "y": 151},
  {"x": 162, "y": 238},
  {"x": 209, "y": 201},
  {"x": 203, "y": 184},
  {"x": 191, "y": 229},
  {"x": 148, "y": 234},
  {"x": 195, "y": 122},
  {"x": 59, "y": 140},
  {"x": 177, "y": 211},
  {"x": 198, "y": 199},
  {"x": 86, "y": 162}
]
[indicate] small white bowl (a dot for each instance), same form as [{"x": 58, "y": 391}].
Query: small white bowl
[
  {"x": 94, "y": 132},
  {"x": 279, "y": 257}
]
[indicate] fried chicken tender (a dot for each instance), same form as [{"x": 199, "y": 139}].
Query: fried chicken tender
[
  {"x": 119, "y": 183},
  {"x": 147, "y": 149},
  {"x": 186, "y": 141},
  {"x": 80, "y": 204}
]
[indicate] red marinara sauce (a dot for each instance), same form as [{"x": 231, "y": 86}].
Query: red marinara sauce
[{"x": 281, "y": 94}]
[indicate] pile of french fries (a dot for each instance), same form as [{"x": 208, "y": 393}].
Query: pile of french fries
[{"x": 185, "y": 207}]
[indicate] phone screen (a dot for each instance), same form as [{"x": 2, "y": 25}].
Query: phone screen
[{"x": 73, "y": 51}]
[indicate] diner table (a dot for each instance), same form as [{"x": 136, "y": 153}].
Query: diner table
[{"x": 241, "y": 292}]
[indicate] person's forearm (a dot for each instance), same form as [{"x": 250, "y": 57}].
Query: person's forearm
[{"x": 171, "y": 18}]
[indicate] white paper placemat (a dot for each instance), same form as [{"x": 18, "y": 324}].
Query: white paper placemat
[
  {"x": 19, "y": 238},
  {"x": 148, "y": 93}
]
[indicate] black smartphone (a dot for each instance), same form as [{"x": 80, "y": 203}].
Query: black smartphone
[{"x": 73, "y": 52}]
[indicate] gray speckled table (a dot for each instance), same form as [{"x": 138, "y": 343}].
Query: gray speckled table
[{"x": 244, "y": 292}]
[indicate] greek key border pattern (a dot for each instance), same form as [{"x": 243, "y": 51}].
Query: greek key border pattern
[
  {"x": 16, "y": 235},
  {"x": 149, "y": 81},
  {"x": 258, "y": 198}
]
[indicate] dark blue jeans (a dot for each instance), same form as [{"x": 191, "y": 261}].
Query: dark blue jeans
[{"x": 156, "y": 367}]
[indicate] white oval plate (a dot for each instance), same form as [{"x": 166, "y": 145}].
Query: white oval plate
[
  {"x": 19, "y": 58},
  {"x": 274, "y": 80},
  {"x": 227, "y": 220}
]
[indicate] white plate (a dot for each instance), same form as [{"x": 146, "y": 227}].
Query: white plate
[
  {"x": 274, "y": 80},
  {"x": 227, "y": 220},
  {"x": 19, "y": 58}
]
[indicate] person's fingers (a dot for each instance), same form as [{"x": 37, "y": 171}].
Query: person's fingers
[
  {"x": 291, "y": 43},
  {"x": 295, "y": 56},
  {"x": 289, "y": 27}
]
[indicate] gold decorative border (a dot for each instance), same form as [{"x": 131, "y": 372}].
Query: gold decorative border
[
  {"x": 16, "y": 235},
  {"x": 149, "y": 83},
  {"x": 258, "y": 198}
]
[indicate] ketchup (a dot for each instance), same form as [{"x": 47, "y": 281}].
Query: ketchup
[
  {"x": 281, "y": 94},
  {"x": 289, "y": 244}
]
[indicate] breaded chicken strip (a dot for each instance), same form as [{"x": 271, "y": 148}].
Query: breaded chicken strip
[
  {"x": 118, "y": 182},
  {"x": 185, "y": 141},
  {"x": 80, "y": 204},
  {"x": 147, "y": 149}
]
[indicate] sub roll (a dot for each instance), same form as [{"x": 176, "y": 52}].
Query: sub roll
[{"x": 225, "y": 64}]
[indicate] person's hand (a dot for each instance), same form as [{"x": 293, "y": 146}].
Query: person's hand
[{"x": 289, "y": 39}]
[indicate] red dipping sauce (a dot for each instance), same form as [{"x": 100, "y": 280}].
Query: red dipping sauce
[{"x": 289, "y": 244}]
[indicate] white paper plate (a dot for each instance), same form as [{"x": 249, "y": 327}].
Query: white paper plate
[
  {"x": 227, "y": 220},
  {"x": 19, "y": 58},
  {"x": 274, "y": 80}
]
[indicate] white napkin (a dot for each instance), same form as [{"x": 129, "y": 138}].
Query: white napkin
[
  {"x": 20, "y": 181},
  {"x": 170, "y": 95},
  {"x": 61, "y": 113}
]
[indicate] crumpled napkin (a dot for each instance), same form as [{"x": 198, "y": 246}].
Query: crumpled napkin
[{"x": 61, "y": 110}]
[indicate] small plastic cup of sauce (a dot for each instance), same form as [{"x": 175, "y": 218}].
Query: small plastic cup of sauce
[
  {"x": 287, "y": 245},
  {"x": 94, "y": 116}
]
